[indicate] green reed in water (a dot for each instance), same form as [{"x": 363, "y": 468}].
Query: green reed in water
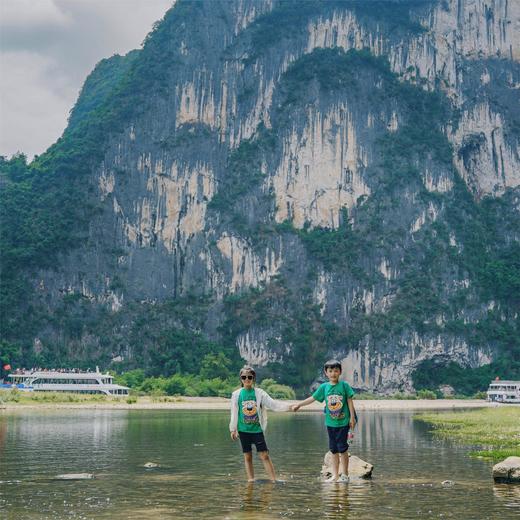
[{"x": 493, "y": 432}]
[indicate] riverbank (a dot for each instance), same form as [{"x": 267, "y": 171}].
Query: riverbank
[
  {"x": 493, "y": 432},
  {"x": 219, "y": 403}
]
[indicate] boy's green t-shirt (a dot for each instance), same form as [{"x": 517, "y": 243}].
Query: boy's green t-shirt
[
  {"x": 248, "y": 419},
  {"x": 335, "y": 396}
]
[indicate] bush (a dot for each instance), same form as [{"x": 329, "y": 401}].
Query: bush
[
  {"x": 176, "y": 385},
  {"x": 409, "y": 397},
  {"x": 132, "y": 378},
  {"x": 154, "y": 386},
  {"x": 276, "y": 390},
  {"x": 426, "y": 394}
]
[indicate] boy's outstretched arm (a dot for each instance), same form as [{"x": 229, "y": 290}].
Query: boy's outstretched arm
[
  {"x": 350, "y": 403},
  {"x": 296, "y": 407}
]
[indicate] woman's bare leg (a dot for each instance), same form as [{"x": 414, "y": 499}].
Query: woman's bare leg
[
  {"x": 268, "y": 465},
  {"x": 248, "y": 461}
]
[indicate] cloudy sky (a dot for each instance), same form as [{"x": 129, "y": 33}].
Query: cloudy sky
[{"x": 47, "y": 48}]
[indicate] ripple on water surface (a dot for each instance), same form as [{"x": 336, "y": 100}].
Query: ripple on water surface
[{"x": 200, "y": 471}]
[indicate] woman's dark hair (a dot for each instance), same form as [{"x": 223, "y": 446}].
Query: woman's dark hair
[
  {"x": 247, "y": 370},
  {"x": 332, "y": 363}
]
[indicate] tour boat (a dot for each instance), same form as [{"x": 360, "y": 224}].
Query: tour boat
[
  {"x": 504, "y": 392},
  {"x": 65, "y": 381}
]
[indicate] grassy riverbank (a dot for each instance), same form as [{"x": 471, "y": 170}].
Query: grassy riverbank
[
  {"x": 493, "y": 432},
  {"x": 12, "y": 400}
]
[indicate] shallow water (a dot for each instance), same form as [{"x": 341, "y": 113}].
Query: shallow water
[{"x": 201, "y": 472}]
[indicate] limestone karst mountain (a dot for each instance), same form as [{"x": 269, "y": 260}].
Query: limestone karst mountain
[{"x": 285, "y": 181}]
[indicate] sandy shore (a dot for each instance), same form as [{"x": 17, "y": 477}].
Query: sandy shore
[{"x": 217, "y": 403}]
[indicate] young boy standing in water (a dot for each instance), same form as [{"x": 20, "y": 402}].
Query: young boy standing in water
[
  {"x": 249, "y": 421},
  {"x": 340, "y": 416}
]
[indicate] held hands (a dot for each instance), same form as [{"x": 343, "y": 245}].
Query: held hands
[
  {"x": 234, "y": 435},
  {"x": 295, "y": 407}
]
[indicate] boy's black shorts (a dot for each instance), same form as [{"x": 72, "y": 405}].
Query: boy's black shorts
[
  {"x": 248, "y": 439},
  {"x": 338, "y": 438}
]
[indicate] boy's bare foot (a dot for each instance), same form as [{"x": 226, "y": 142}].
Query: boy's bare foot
[{"x": 250, "y": 480}]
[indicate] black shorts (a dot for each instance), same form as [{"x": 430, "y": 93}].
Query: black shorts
[
  {"x": 248, "y": 439},
  {"x": 338, "y": 438}
]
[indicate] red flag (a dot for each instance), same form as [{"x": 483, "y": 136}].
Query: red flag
[{"x": 7, "y": 367}]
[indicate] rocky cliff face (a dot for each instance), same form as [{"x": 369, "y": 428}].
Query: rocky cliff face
[{"x": 300, "y": 181}]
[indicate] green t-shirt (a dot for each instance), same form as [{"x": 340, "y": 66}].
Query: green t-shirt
[
  {"x": 336, "y": 408},
  {"x": 248, "y": 419}
]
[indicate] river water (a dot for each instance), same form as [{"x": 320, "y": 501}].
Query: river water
[{"x": 200, "y": 473}]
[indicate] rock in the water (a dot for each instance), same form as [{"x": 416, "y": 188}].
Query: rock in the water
[
  {"x": 447, "y": 483},
  {"x": 151, "y": 465},
  {"x": 507, "y": 471},
  {"x": 356, "y": 467},
  {"x": 75, "y": 476}
]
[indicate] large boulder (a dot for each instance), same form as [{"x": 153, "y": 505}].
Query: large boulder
[
  {"x": 507, "y": 471},
  {"x": 356, "y": 467}
]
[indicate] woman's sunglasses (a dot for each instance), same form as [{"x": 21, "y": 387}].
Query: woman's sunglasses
[{"x": 247, "y": 377}]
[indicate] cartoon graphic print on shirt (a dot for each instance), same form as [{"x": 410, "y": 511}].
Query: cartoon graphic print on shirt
[
  {"x": 249, "y": 412},
  {"x": 335, "y": 406}
]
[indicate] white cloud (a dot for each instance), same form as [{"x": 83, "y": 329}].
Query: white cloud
[
  {"x": 34, "y": 109},
  {"x": 48, "y": 47},
  {"x": 31, "y": 13}
]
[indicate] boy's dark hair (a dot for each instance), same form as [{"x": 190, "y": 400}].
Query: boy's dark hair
[
  {"x": 332, "y": 363},
  {"x": 247, "y": 369}
]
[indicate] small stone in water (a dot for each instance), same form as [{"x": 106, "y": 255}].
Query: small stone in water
[
  {"x": 447, "y": 483},
  {"x": 151, "y": 465},
  {"x": 75, "y": 476}
]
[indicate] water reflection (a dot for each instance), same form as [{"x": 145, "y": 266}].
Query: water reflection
[
  {"x": 335, "y": 499},
  {"x": 509, "y": 494}
]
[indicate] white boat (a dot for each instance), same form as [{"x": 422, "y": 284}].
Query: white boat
[
  {"x": 73, "y": 382},
  {"x": 504, "y": 392}
]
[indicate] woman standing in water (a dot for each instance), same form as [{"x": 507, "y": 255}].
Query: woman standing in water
[{"x": 249, "y": 421}]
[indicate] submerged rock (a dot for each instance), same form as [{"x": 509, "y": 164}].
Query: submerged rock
[
  {"x": 356, "y": 467},
  {"x": 507, "y": 471},
  {"x": 151, "y": 465},
  {"x": 75, "y": 476}
]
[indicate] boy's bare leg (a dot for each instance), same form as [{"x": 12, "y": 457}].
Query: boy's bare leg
[
  {"x": 335, "y": 466},
  {"x": 248, "y": 461},
  {"x": 343, "y": 463},
  {"x": 268, "y": 465}
]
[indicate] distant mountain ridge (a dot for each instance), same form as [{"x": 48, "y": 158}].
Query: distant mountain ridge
[{"x": 283, "y": 182}]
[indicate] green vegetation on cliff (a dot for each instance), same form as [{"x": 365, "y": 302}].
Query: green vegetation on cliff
[{"x": 288, "y": 19}]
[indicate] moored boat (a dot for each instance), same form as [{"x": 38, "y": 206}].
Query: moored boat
[
  {"x": 504, "y": 391},
  {"x": 65, "y": 381}
]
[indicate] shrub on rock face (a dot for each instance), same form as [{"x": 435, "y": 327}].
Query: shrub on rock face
[{"x": 507, "y": 471}]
